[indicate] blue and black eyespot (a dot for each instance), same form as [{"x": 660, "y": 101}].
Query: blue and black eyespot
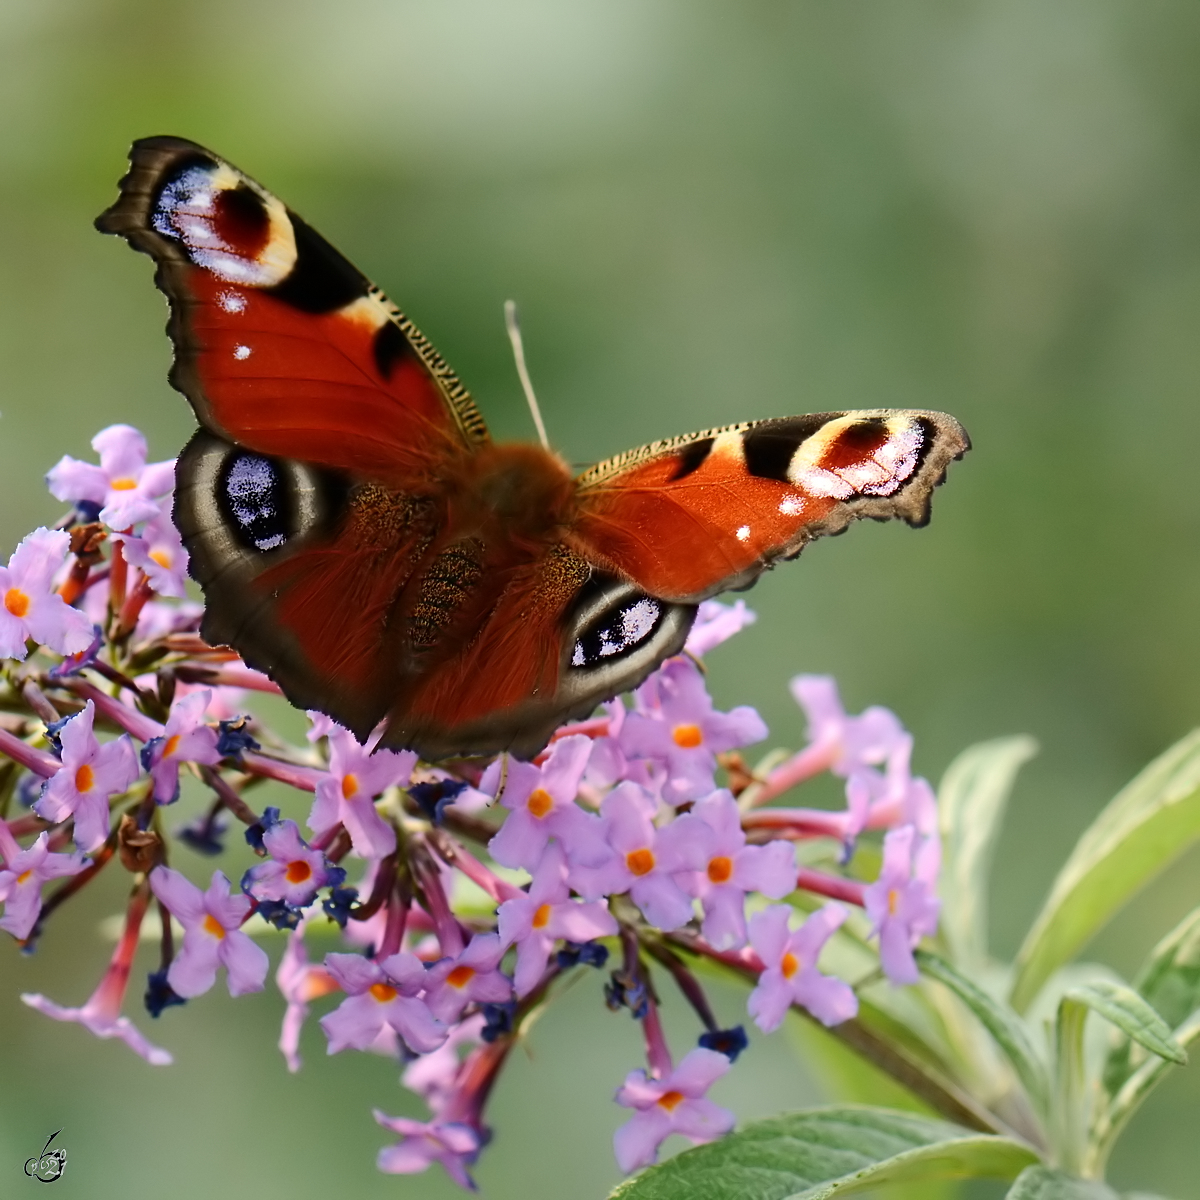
[
  {"x": 254, "y": 494},
  {"x": 618, "y": 629}
]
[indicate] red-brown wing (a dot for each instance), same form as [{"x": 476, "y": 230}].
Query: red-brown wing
[
  {"x": 694, "y": 516},
  {"x": 282, "y": 345}
]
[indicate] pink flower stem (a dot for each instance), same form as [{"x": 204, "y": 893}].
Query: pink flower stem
[
  {"x": 448, "y": 930},
  {"x": 228, "y": 796},
  {"x": 141, "y": 727},
  {"x": 235, "y": 675},
  {"x": 809, "y": 762},
  {"x": 110, "y": 995},
  {"x": 385, "y": 883},
  {"x": 454, "y": 855},
  {"x": 297, "y": 776},
  {"x": 24, "y": 826},
  {"x": 475, "y": 1079},
  {"x": 687, "y": 983},
  {"x": 37, "y": 761},
  {"x": 393, "y": 931},
  {"x": 658, "y": 1054},
  {"x": 803, "y": 822},
  {"x": 39, "y": 702},
  {"x": 833, "y": 886},
  {"x": 142, "y": 592},
  {"x": 118, "y": 574}
]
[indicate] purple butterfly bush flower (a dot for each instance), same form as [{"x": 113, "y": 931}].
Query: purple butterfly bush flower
[
  {"x": 101, "y": 1015},
  {"x": 454, "y": 1144},
  {"x": 212, "y": 935},
  {"x": 23, "y": 874},
  {"x": 646, "y": 861},
  {"x": 294, "y": 871},
  {"x": 299, "y": 982},
  {"x": 433, "y": 1076},
  {"x": 716, "y": 623},
  {"x": 30, "y": 608},
  {"x": 541, "y": 804},
  {"x": 534, "y": 921},
  {"x": 347, "y": 792},
  {"x": 674, "y": 1104},
  {"x": 185, "y": 738},
  {"x": 90, "y": 774},
  {"x": 903, "y": 901},
  {"x": 732, "y": 869},
  {"x": 125, "y": 485},
  {"x": 160, "y": 555},
  {"x": 677, "y": 725},
  {"x": 845, "y": 743},
  {"x": 791, "y": 975},
  {"x": 379, "y": 995},
  {"x": 473, "y": 974}
]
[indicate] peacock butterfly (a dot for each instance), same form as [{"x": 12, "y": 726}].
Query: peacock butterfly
[{"x": 361, "y": 539}]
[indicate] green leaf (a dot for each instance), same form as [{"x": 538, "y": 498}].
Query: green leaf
[
  {"x": 1170, "y": 981},
  {"x": 1041, "y": 1183},
  {"x": 1152, "y": 821},
  {"x": 1112, "y": 1119},
  {"x": 1004, "y": 1026},
  {"x": 827, "y": 1152},
  {"x": 1125, "y": 1009},
  {"x": 971, "y": 802}
]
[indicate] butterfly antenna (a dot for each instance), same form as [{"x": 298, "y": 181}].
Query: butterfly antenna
[{"x": 518, "y": 348}]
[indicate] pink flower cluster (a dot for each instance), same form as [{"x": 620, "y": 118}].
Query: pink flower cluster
[{"x": 639, "y": 832}]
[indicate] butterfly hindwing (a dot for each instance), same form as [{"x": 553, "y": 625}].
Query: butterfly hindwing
[{"x": 697, "y": 515}]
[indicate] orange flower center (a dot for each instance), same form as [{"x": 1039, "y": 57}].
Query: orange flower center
[
  {"x": 162, "y": 558},
  {"x": 298, "y": 871},
  {"x": 460, "y": 976},
  {"x": 213, "y": 926},
  {"x": 123, "y": 485},
  {"x": 789, "y": 965},
  {"x": 85, "y": 778},
  {"x": 16, "y": 602},
  {"x": 383, "y": 992},
  {"x": 171, "y": 745},
  {"x": 687, "y": 737},
  {"x": 640, "y": 862},
  {"x": 893, "y": 901},
  {"x": 349, "y": 785},
  {"x": 720, "y": 869},
  {"x": 541, "y": 917},
  {"x": 669, "y": 1100},
  {"x": 25, "y": 876},
  {"x": 540, "y": 802}
]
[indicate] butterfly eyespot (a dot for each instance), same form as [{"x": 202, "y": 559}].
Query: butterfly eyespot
[
  {"x": 618, "y": 630},
  {"x": 255, "y": 495}
]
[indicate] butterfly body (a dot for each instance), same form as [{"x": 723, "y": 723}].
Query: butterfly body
[{"x": 361, "y": 539}]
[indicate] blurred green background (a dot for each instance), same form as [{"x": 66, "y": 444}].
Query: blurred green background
[{"x": 707, "y": 212}]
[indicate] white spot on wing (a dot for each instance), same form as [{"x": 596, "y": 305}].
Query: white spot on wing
[
  {"x": 743, "y": 533},
  {"x": 791, "y": 505},
  {"x": 241, "y": 352},
  {"x": 231, "y": 302}
]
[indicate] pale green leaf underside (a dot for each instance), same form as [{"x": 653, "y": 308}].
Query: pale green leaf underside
[
  {"x": 827, "y": 1152},
  {"x": 1004, "y": 1026},
  {"x": 1153, "y": 820},
  {"x": 1041, "y": 1183},
  {"x": 1124, "y": 1008},
  {"x": 971, "y": 802}
]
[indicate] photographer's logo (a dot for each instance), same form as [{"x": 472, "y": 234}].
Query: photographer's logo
[{"x": 49, "y": 1165}]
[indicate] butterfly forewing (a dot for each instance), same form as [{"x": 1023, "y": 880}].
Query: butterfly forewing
[{"x": 694, "y": 516}]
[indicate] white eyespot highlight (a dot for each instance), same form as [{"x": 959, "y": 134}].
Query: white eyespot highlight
[
  {"x": 743, "y": 533},
  {"x": 187, "y": 212},
  {"x": 791, "y": 505},
  {"x": 241, "y": 352},
  {"x": 231, "y": 302},
  {"x": 880, "y": 473}
]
